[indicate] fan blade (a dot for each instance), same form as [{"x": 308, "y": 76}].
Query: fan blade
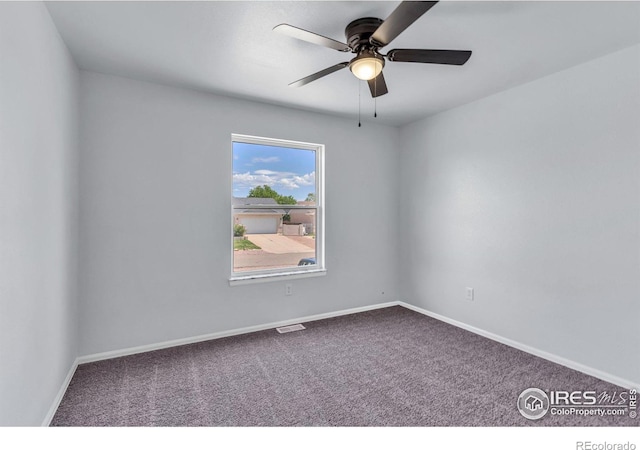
[
  {"x": 308, "y": 36},
  {"x": 315, "y": 76},
  {"x": 378, "y": 86},
  {"x": 404, "y": 15},
  {"x": 454, "y": 57}
]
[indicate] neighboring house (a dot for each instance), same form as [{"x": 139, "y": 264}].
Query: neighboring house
[
  {"x": 265, "y": 221},
  {"x": 307, "y": 217}
]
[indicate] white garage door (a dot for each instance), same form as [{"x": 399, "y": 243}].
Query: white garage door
[{"x": 260, "y": 225}]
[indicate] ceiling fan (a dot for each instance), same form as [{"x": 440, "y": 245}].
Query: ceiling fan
[{"x": 366, "y": 36}]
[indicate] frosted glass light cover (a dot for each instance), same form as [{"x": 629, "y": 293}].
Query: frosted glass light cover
[{"x": 366, "y": 68}]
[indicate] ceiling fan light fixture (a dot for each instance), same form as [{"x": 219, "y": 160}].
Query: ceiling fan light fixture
[{"x": 367, "y": 65}]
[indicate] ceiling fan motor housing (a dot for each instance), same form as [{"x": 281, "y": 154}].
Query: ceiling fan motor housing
[{"x": 359, "y": 31}]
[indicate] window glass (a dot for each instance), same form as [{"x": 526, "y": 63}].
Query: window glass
[{"x": 275, "y": 206}]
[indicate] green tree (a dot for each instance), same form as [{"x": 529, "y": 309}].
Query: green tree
[
  {"x": 263, "y": 192},
  {"x": 288, "y": 200},
  {"x": 266, "y": 191},
  {"x": 311, "y": 197}
]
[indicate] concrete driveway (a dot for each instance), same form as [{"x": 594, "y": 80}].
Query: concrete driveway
[
  {"x": 277, "y": 251},
  {"x": 258, "y": 259},
  {"x": 278, "y": 244}
]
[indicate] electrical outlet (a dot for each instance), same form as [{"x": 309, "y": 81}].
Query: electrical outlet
[
  {"x": 470, "y": 294},
  {"x": 288, "y": 289}
]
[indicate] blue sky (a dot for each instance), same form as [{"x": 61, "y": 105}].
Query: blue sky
[{"x": 288, "y": 171}]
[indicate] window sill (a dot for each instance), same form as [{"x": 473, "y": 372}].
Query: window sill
[{"x": 239, "y": 280}]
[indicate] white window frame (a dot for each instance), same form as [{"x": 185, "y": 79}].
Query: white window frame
[{"x": 319, "y": 269}]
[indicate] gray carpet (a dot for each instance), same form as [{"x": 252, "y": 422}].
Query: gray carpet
[{"x": 388, "y": 367}]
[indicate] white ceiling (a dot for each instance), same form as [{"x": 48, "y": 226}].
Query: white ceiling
[{"x": 229, "y": 48}]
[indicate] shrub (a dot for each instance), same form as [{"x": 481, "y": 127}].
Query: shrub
[{"x": 239, "y": 230}]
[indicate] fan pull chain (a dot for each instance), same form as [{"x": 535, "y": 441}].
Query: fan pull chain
[
  {"x": 359, "y": 90},
  {"x": 375, "y": 99}
]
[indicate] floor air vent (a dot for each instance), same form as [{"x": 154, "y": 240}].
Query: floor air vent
[{"x": 290, "y": 328}]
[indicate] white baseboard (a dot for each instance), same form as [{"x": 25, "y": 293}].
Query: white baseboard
[
  {"x": 207, "y": 337},
  {"x": 56, "y": 401},
  {"x": 528, "y": 349}
]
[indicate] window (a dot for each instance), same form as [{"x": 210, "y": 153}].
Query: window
[{"x": 277, "y": 209}]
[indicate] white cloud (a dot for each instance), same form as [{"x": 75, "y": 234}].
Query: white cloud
[
  {"x": 252, "y": 180},
  {"x": 286, "y": 180},
  {"x": 296, "y": 181},
  {"x": 265, "y": 172},
  {"x": 268, "y": 159}
]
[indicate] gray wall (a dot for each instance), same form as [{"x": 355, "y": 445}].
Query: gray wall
[
  {"x": 532, "y": 197},
  {"x": 155, "y": 178},
  {"x": 38, "y": 212}
]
